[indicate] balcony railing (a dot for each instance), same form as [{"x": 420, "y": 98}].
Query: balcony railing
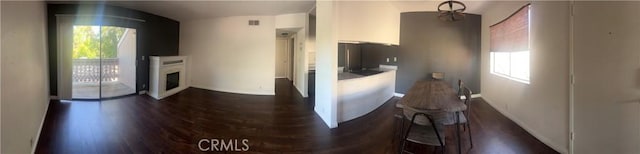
[{"x": 88, "y": 70}]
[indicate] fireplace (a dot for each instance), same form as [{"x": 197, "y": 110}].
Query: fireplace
[
  {"x": 167, "y": 76},
  {"x": 173, "y": 81}
]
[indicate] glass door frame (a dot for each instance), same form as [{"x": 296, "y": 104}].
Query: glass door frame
[{"x": 76, "y": 20}]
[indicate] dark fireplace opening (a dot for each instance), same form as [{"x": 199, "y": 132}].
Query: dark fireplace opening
[{"x": 173, "y": 80}]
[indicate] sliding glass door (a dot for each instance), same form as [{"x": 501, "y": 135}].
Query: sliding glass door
[
  {"x": 118, "y": 61},
  {"x": 103, "y": 61}
]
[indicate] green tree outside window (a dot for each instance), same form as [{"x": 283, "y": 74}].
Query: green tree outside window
[{"x": 86, "y": 41}]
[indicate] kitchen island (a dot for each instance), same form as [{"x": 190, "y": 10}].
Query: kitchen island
[{"x": 362, "y": 92}]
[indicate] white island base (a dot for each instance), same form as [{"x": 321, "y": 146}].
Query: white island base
[{"x": 359, "y": 96}]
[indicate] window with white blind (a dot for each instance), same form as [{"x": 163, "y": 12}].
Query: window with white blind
[{"x": 510, "y": 46}]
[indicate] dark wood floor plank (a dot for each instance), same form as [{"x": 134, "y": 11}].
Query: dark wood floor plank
[{"x": 284, "y": 123}]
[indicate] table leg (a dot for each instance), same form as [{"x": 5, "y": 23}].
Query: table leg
[{"x": 458, "y": 131}]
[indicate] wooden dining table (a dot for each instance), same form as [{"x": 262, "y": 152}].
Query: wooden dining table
[{"x": 435, "y": 95}]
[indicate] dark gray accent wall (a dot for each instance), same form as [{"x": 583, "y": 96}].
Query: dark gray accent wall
[
  {"x": 374, "y": 55},
  {"x": 349, "y": 56},
  {"x": 428, "y": 45},
  {"x": 157, "y": 36}
]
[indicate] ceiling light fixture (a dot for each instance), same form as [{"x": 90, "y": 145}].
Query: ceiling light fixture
[{"x": 453, "y": 10}]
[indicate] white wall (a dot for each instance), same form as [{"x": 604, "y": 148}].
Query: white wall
[
  {"x": 226, "y": 54},
  {"x": 25, "y": 85},
  {"x": 127, "y": 58},
  {"x": 326, "y": 63},
  {"x": 542, "y": 107},
  {"x": 607, "y": 77},
  {"x": 0, "y": 81},
  {"x": 301, "y": 63},
  {"x": 294, "y": 20},
  {"x": 368, "y": 21}
]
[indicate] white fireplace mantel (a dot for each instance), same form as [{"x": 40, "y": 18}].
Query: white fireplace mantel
[{"x": 160, "y": 67}]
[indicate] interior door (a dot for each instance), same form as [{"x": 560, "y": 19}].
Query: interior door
[{"x": 607, "y": 77}]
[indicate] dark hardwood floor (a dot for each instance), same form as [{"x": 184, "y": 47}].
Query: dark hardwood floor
[{"x": 284, "y": 123}]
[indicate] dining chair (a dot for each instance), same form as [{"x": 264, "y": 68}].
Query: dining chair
[
  {"x": 461, "y": 87},
  {"x": 448, "y": 118},
  {"x": 465, "y": 114},
  {"x": 422, "y": 132},
  {"x": 437, "y": 75}
]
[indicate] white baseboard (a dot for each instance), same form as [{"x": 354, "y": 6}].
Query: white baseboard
[
  {"x": 300, "y": 91},
  {"x": 53, "y": 97},
  {"x": 527, "y": 128},
  {"x": 44, "y": 116},
  {"x": 398, "y": 94}
]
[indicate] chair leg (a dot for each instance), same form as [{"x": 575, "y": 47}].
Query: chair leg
[
  {"x": 463, "y": 128},
  {"x": 406, "y": 134},
  {"x": 401, "y": 127},
  {"x": 435, "y": 127},
  {"x": 458, "y": 132},
  {"x": 401, "y": 145},
  {"x": 400, "y": 136},
  {"x": 470, "y": 139}
]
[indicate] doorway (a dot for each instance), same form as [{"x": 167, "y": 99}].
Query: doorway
[
  {"x": 281, "y": 57},
  {"x": 285, "y": 54},
  {"x": 103, "y": 62}
]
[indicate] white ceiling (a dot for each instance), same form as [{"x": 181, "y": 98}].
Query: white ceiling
[
  {"x": 473, "y": 7},
  {"x": 189, "y": 10}
]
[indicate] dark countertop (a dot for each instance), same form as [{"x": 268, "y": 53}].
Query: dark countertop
[{"x": 366, "y": 72}]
